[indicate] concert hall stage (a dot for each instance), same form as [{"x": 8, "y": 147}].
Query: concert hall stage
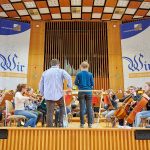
[{"x": 74, "y": 139}]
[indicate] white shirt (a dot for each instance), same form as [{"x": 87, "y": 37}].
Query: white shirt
[{"x": 20, "y": 100}]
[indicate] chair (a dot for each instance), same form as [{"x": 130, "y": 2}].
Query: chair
[
  {"x": 97, "y": 102},
  {"x": 145, "y": 122},
  {"x": 8, "y": 114}
]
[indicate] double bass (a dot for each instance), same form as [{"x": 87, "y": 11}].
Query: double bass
[{"x": 121, "y": 112}]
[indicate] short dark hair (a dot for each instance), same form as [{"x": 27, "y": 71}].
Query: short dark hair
[{"x": 54, "y": 62}]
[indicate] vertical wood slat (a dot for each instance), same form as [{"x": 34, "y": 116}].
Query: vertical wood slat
[
  {"x": 79, "y": 41},
  {"x": 72, "y": 139}
]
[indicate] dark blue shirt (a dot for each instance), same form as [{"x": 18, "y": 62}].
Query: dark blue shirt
[{"x": 84, "y": 80}]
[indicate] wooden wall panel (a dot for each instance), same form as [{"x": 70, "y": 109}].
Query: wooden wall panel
[
  {"x": 36, "y": 53},
  {"x": 97, "y": 42},
  {"x": 116, "y": 80},
  {"x": 77, "y": 42},
  {"x": 72, "y": 139}
]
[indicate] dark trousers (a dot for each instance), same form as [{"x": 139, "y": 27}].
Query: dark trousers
[
  {"x": 121, "y": 122},
  {"x": 50, "y": 104},
  {"x": 0, "y": 116},
  {"x": 85, "y": 100},
  {"x": 43, "y": 111}
]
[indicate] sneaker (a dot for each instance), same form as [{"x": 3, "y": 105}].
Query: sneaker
[
  {"x": 90, "y": 125},
  {"x": 81, "y": 125}
]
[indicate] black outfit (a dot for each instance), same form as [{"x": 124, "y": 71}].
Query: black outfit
[{"x": 0, "y": 116}]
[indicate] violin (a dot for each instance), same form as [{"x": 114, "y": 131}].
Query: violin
[{"x": 33, "y": 96}]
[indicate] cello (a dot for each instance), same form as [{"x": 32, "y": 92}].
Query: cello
[
  {"x": 138, "y": 108},
  {"x": 121, "y": 112}
]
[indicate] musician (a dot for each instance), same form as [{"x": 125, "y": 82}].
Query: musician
[
  {"x": 84, "y": 81},
  {"x": 57, "y": 113},
  {"x": 144, "y": 114},
  {"x": 32, "y": 105},
  {"x": 1, "y": 98},
  {"x": 110, "y": 109},
  {"x": 132, "y": 91},
  {"x": 136, "y": 97},
  {"x": 42, "y": 108},
  {"x": 20, "y": 101},
  {"x": 0, "y": 115}
]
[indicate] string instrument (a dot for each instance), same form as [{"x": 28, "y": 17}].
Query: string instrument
[
  {"x": 6, "y": 96},
  {"x": 107, "y": 102},
  {"x": 138, "y": 108},
  {"x": 33, "y": 97},
  {"x": 121, "y": 112}
]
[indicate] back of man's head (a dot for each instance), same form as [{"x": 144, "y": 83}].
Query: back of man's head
[{"x": 54, "y": 62}]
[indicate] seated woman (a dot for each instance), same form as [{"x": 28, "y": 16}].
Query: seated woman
[
  {"x": 144, "y": 114},
  {"x": 20, "y": 101},
  {"x": 32, "y": 105}
]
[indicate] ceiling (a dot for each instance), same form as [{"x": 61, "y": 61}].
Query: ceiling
[{"x": 75, "y": 9}]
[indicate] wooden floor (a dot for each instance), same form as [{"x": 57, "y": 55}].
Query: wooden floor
[{"x": 73, "y": 138}]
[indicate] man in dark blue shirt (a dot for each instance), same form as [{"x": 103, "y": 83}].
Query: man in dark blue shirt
[{"x": 84, "y": 81}]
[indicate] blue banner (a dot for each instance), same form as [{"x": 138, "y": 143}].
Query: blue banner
[
  {"x": 9, "y": 27},
  {"x": 131, "y": 29}
]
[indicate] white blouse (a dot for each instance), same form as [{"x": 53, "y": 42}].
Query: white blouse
[{"x": 20, "y": 100}]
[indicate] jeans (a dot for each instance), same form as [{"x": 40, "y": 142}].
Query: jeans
[
  {"x": 38, "y": 114},
  {"x": 50, "y": 104},
  {"x": 139, "y": 115},
  {"x": 29, "y": 115},
  {"x": 85, "y": 99},
  {"x": 108, "y": 114}
]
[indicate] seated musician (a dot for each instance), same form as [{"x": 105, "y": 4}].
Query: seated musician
[
  {"x": 20, "y": 101},
  {"x": 110, "y": 109},
  {"x": 144, "y": 114},
  {"x": 57, "y": 114},
  {"x": 42, "y": 108},
  {"x": 32, "y": 105},
  {"x": 0, "y": 115},
  {"x": 136, "y": 97},
  {"x": 1, "y": 98}
]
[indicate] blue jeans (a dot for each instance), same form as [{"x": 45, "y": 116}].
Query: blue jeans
[
  {"x": 143, "y": 114},
  {"x": 85, "y": 99},
  {"x": 32, "y": 118}
]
